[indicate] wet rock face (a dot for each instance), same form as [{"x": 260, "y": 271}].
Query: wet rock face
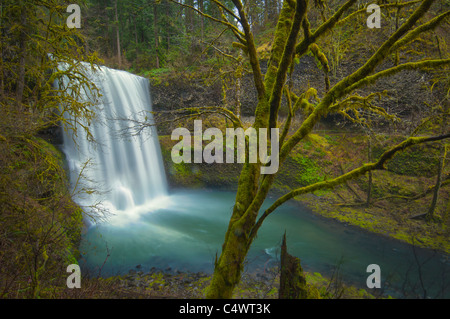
[
  {"x": 407, "y": 94},
  {"x": 52, "y": 134},
  {"x": 179, "y": 93}
]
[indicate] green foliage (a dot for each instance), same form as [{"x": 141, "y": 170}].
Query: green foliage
[
  {"x": 308, "y": 172},
  {"x": 42, "y": 79},
  {"x": 157, "y": 76},
  {"x": 152, "y": 34}
]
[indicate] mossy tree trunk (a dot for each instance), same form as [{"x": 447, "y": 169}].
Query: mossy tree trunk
[
  {"x": 292, "y": 280},
  {"x": 251, "y": 195}
]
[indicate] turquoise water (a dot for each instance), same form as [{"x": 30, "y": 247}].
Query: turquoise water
[{"x": 186, "y": 229}]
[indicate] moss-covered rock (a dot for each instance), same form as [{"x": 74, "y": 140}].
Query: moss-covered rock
[
  {"x": 198, "y": 175},
  {"x": 421, "y": 160}
]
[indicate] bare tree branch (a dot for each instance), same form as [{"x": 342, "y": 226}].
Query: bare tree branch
[
  {"x": 302, "y": 47},
  {"x": 388, "y": 72}
]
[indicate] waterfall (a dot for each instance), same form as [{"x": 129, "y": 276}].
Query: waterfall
[{"x": 126, "y": 173}]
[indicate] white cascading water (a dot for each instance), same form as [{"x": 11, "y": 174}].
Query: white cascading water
[{"x": 126, "y": 173}]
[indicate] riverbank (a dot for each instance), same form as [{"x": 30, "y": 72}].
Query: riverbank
[{"x": 171, "y": 283}]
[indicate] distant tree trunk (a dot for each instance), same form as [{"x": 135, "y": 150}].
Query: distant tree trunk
[
  {"x": 135, "y": 31},
  {"x": 255, "y": 18},
  {"x": 447, "y": 212},
  {"x": 292, "y": 279},
  {"x": 22, "y": 51},
  {"x": 239, "y": 72},
  {"x": 168, "y": 13},
  {"x": 202, "y": 19},
  {"x": 106, "y": 30},
  {"x": 155, "y": 31},
  {"x": 369, "y": 189},
  {"x": 266, "y": 12},
  {"x": 189, "y": 22},
  {"x": 238, "y": 97},
  {"x": 119, "y": 55},
  {"x": 2, "y": 74},
  {"x": 430, "y": 214},
  {"x": 272, "y": 7},
  {"x": 136, "y": 40},
  {"x": 397, "y": 17}
]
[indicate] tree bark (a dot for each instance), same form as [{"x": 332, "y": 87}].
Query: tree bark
[
  {"x": 430, "y": 214},
  {"x": 202, "y": 19},
  {"x": 155, "y": 31},
  {"x": 292, "y": 279},
  {"x": 228, "y": 267},
  {"x": 119, "y": 55},
  {"x": 189, "y": 18},
  {"x": 135, "y": 31}
]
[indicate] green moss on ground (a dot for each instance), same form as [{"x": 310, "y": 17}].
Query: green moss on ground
[{"x": 416, "y": 161}]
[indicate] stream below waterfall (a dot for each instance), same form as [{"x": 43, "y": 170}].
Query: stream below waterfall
[{"x": 184, "y": 230}]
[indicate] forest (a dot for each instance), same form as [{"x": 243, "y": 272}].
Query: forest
[
  {"x": 148, "y": 35},
  {"x": 362, "y": 121}
]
